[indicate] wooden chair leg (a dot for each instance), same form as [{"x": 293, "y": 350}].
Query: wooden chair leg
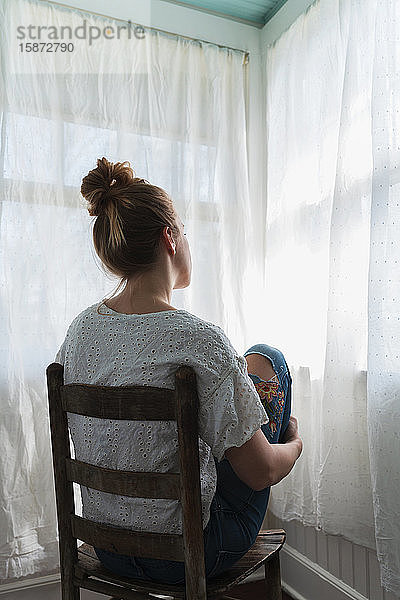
[
  {"x": 69, "y": 591},
  {"x": 273, "y": 578}
]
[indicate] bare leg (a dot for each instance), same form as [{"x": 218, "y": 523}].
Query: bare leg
[{"x": 260, "y": 365}]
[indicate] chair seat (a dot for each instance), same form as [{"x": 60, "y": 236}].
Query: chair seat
[{"x": 89, "y": 568}]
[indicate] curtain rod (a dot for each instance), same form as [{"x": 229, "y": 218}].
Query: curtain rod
[{"x": 186, "y": 37}]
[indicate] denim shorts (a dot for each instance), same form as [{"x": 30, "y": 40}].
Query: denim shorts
[{"x": 237, "y": 511}]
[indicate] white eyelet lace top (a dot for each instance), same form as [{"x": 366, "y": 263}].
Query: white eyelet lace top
[{"x": 146, "y": 349}]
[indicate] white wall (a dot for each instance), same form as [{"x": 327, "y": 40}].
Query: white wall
[{"x": 283, "y": 19}]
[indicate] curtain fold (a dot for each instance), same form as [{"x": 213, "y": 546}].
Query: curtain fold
[
  {"x": 384, "y": 295},
  {"x": 176, "y": 110},
  {"x": 333, "y": 93}
]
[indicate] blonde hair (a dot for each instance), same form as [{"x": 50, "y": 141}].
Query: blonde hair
[{"x": 131, "y": 214}]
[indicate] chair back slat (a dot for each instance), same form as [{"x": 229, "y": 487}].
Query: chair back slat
[
  {"x": 126, "y": 483},
  {"x": 165, "y": 546},
  {"x": 128, "y": 403}
]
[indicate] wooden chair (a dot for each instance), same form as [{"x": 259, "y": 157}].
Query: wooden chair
[{"x": 80, "y": 567}]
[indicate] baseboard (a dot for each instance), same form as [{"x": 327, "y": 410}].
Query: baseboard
[
  {"x": 28, "y": 583},
  {"x": 304, "y": 579}
]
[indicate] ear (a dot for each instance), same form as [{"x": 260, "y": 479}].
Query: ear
[{"x": 169, "y": 239}]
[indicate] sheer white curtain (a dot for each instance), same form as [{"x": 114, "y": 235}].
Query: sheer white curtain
[
  {"x": 176, "y": 110},
  {"x": 333, "y": 235}
]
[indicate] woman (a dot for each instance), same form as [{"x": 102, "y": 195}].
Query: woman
[{"x": 248, "y": 441}]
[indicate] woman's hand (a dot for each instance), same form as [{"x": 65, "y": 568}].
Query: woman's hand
[{"x": 292, "y": 434}]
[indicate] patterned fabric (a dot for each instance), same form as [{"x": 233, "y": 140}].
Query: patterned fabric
[
  {"x": 273, "y": 399},
  {"x": 104, "y": 347}
]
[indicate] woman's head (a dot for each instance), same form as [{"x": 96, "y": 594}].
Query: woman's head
[{"x": 136, "y": 228}]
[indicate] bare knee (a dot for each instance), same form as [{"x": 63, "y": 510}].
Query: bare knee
[{"x": 257, "y": 364}]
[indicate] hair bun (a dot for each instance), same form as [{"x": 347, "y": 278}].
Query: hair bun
[{"x": 104, "y": 182}]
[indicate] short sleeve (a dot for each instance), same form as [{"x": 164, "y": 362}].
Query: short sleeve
[
  {"x": 60, "y": 356},
  {"x": 233, "y": 412}
]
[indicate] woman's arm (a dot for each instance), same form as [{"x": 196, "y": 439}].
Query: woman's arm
[{"x": 260, "y": 464}]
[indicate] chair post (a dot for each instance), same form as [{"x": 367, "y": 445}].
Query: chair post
[
  {"x": 64, "y": 488},
  {"x": 187, "y": 409},
  {"x": 273, "y": 577}
]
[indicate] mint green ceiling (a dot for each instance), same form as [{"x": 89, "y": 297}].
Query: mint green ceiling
[{"x": 256, "y": 12}]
